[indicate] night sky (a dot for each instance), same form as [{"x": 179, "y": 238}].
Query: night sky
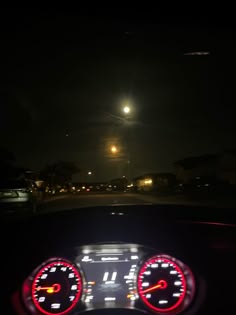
[{"x": 64, "y": 77}]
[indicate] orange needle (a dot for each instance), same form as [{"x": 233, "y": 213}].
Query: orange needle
[
  {"x": 160, "y": 285},
  {"x": 53, "y": 289}
]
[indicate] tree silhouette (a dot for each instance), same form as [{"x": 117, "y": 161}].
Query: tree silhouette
[{"x": 60, "y": 172}]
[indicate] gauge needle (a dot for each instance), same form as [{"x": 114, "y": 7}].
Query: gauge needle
[
  {"x": 53, "y": 289},
  {"x": 160, "y": 285}
]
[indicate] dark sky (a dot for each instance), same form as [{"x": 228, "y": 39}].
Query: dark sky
[{"x": 63, "y": 76}]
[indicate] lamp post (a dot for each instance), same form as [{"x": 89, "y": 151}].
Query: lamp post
[{"x": 126, "y": 109}]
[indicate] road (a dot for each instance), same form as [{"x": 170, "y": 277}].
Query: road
[
  {"x": 64, "y": 202},
  {"x": 68, "y": 201},
  {"x": 89, "y": 200}
]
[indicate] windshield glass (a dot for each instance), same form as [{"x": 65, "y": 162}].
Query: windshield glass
[{"x": 117, "y": 111}]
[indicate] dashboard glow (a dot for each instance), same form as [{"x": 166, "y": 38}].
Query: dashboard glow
[
  {"x": 109, "y": 276},
  {"x": 56, "y": 288}
]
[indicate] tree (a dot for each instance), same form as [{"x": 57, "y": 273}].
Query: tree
[
  {"x": 9, "y": 167},
  {"x": 6, "y": 157},
  {"x": 60, "y": 172},
  {"x": 7, "y": 164}
]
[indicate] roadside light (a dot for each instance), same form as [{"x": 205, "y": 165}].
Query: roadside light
[
  {"x": 89, "y": 173},
  {"x": 114, "y": 149},
  {"x": 131, "y": 185},
  {"x": 148, "y": 181}
]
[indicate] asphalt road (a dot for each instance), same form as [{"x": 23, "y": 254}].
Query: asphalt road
[
  {"x": 66, "y": 202},
  {"x": 69, "y": 201},
  {"x": 89, "y": 200}
]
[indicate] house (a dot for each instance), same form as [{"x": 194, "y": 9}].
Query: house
[
  {"x": 218, "y": 167},
  {"x": 193, "y": 167},
  {"x": 159, "y": 182}
]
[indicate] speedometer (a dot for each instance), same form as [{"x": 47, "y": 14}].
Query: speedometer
[
  {"x": 109, "y": 276},
  {"x": 165, "y": 284},
  {"x": 56, "y": 288}
]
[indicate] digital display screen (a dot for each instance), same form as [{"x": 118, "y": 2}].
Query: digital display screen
[{"x": 110, "y": 277}]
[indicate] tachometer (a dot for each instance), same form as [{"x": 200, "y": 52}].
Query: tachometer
[
  {"x": 56, "y": 288},
  {"x": 165, "y": 284}
]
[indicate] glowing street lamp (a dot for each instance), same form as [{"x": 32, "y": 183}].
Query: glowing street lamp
[
  {"x": 89, "y": 173},
  {"x": 114, "y": 149}
]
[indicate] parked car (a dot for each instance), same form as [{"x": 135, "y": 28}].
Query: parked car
[{"x": 15, "y": 194}]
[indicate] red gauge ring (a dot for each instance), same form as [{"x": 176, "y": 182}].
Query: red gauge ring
[
  {"x": 162, "y": 284},
  {"x": 56, "y": 288}
]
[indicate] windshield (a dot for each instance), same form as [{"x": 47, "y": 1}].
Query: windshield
[{"x": 117, "y": 111}]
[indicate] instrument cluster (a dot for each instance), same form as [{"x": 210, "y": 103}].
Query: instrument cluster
[{"x": 111, "y": 276}]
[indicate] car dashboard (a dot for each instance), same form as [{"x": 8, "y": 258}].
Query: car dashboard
[
  {"x": 103, "y": 276},
  {"x": 119, "y": 262}
]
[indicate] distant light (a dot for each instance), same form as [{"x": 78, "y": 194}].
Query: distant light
[
  {"x": 197, "y": 53},
  {"x": 83, "y": 187},
  {"x": 87, "y": 189},
  {"x": 123, "y": 176},
  {"x": 148, "y": 181},
  {"x": 73, "y": 187},
  {"x": 114, "y": 149},
  {"x": 89, "y": 173},
  {"x": 67, "y": 135}
]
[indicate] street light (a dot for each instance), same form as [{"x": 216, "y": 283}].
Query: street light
[
  {"x": 113, "y": 149},
  {"x": 89, "y": 173}
]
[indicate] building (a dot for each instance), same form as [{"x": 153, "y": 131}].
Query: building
[
  {"x": 158, "y": 182},
  {"x": 216, "y": 167}
]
